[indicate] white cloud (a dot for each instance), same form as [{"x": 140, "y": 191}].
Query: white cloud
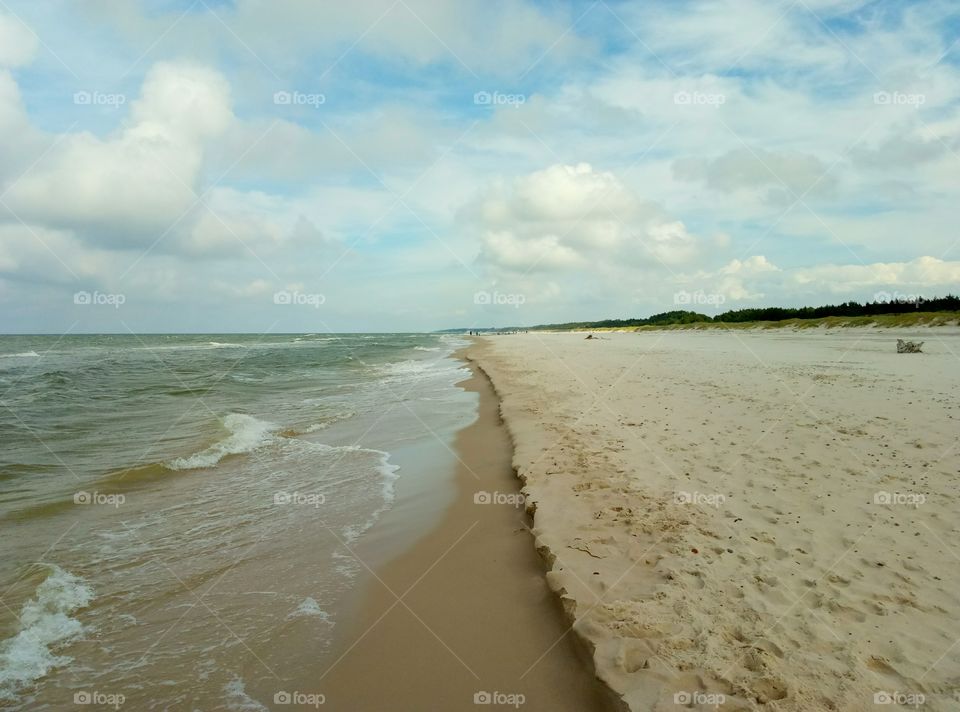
[
  {"x": 18, "y": 44},
  {"x": 537, "y": 253},
  {"x": 922, "y": 272},
  {"x": 131, "y": 187},
  {"x": 757, "y": 264},
  {"x": 290, "y": 199},
  {"x": 756, "y": 278},
  {"x": 567, "y": 215}
]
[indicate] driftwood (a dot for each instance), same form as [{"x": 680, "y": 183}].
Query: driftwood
[{"x": 908, "y": 347}]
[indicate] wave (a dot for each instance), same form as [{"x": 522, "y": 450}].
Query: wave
[
  {"x": 455, "y": 341},
  {"x": 388, "y": 473},
  {"x": 407, "y": 368},
  {"x": 238, "y": 700},
  {"x": 22, "y": 354},
  {"x": 310, "y": 608},
  {"x": 246, "y": 435},
  {"x": 45, "y": 624},
  {"x": 328, "y": 421}
]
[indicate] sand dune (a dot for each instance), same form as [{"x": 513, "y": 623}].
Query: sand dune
[{"x": 744, "y": 521}]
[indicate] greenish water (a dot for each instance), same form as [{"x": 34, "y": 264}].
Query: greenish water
[{"x": 176, "y": 509}]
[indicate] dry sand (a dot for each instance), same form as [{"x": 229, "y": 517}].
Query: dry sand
[
  {"x": 747, "y": 520},
  {"x": 466, "y": 611}
]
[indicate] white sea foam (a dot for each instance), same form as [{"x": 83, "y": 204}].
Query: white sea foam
[
  {"x": 388, "y": 473},
  {"x": 238, "y": 700},
  {"x": 45, "y": 624},
  {"x": 22, "y": 354},
  {"x": 416, "y": 370},
  {"x": 454, "y": 341},
  {"x": 402, "y": 368},
  {"x": 246, "y": 435},
  {"x": 421, "y": 368},
  {"x": 330, "y": 420},
  {"x": 310, "y": 608}
]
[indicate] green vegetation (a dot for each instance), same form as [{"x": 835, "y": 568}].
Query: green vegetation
[
  {"x": 892, "y": 306},
  {"x": 892, "y": 312},
  {"x": 664, "y": 319},
  {"x": 884, "y": 320}
]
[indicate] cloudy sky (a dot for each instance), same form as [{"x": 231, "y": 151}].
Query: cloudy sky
[{"x": 300, "y": 165}]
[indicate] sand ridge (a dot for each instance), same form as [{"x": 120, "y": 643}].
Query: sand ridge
[{"x": 746, "y": 521}]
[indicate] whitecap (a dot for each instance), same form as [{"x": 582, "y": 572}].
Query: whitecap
[
  {"x": 238, "y": 699},
  {"x": 310, "y": 608},
  {"x": 389, "y": 476},
  {"x": 45, "y": 624},
  {"x": 246, "y": 435}
]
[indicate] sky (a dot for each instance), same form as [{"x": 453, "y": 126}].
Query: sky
[{"x": 412, "y": 165}]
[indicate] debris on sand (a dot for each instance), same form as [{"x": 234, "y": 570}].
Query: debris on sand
[{"x": 908, "y": 347}]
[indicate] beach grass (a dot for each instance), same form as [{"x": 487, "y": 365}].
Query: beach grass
[{"x": 910, "y": 319}]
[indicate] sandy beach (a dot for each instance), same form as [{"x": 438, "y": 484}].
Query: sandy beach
[
  {"x": 463, "y": 618},
  {"x": 746, "y": 520}
]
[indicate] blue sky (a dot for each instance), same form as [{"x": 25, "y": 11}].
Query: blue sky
[{"x": 413, "y": 165}]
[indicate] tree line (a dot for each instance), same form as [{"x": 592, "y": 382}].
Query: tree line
[{"x": 851, "y": 308}]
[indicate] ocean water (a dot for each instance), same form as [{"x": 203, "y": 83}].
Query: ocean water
[{"x": 179, "y": 513}]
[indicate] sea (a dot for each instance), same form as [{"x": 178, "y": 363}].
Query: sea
[{"x": 180, "y": 515}]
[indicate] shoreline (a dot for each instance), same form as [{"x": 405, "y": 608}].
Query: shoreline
[{"x": 465, "y": 611}]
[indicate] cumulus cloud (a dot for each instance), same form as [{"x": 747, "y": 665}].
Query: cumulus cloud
[
  {"x": 127, "y": 189},
  {"x": 756, "y": 278},
  {"x": 18, "y": 44},
  {"x": 923, "y": 273},
  {"x": 569, "y": 215},
  {"x": 19, "y": 141},
  {"x": 376, "y": 173},
  {"x": 758, "y": 264}
]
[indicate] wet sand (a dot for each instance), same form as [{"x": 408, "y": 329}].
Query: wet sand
[{"x": 464, "y": 619}]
